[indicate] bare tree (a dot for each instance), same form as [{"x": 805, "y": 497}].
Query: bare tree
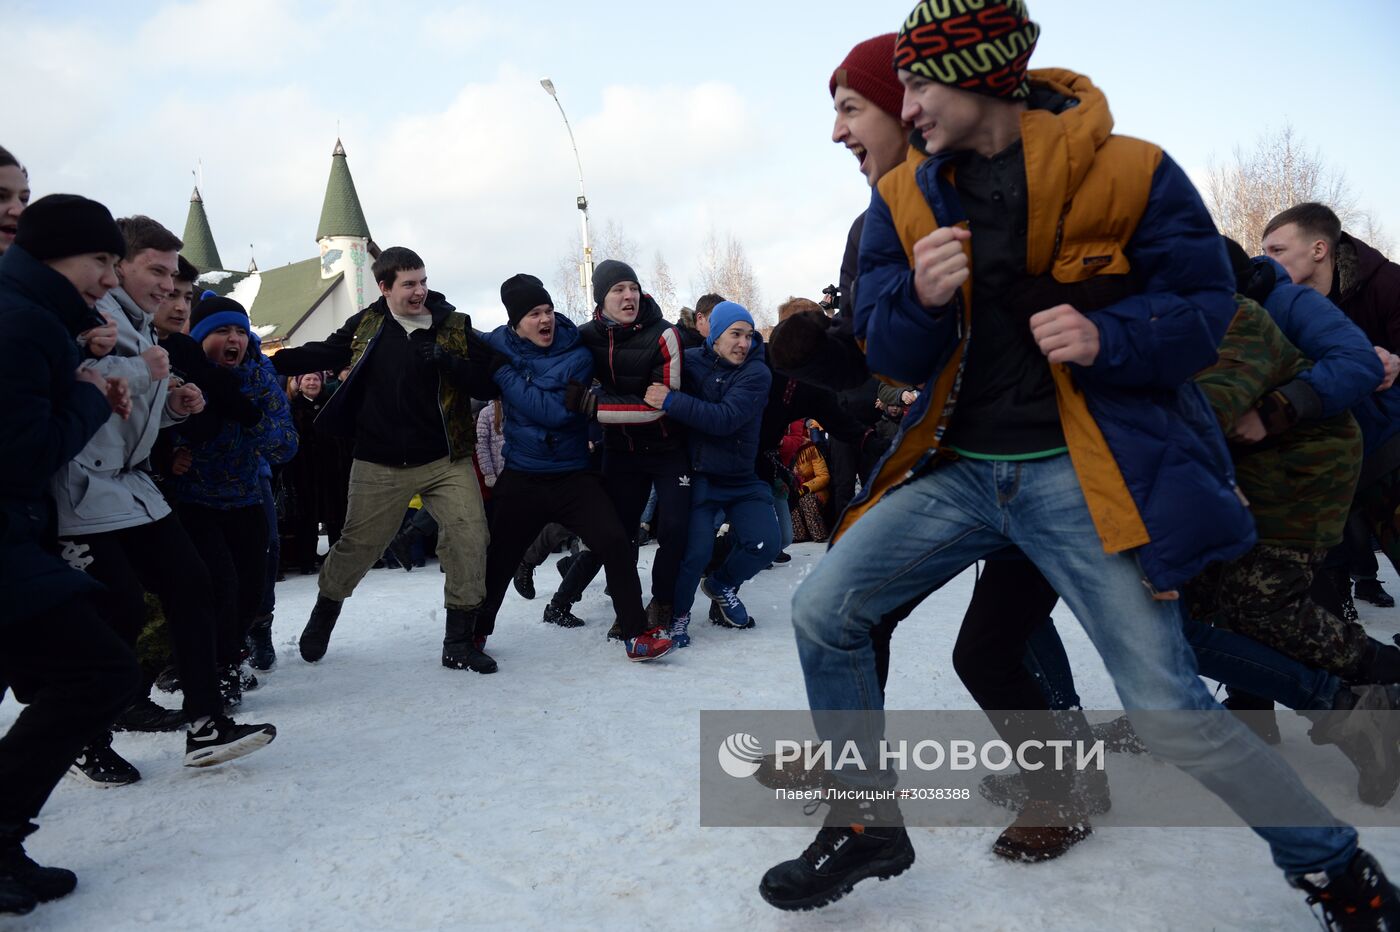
[
  {"x": 662, "y": 286},
  {"x": 1245, "y": 193},
  {"x": 567, "y": 291},
  {"x": 725, "y": 269}
]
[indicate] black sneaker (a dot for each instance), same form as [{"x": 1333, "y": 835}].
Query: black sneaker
[
  {"x": 525, "y": 580},
  {"x": 1356, "y": 897},
  {"x": 246, "y": 678},
  {"x": 218, "y": 738},
  {"x": 99, "y": 765},
  {"x": 261, "y": 654},
  {"x": 782, "y": 559},
  {"x": 146, "y": 715},
  {"x": 561, "y": 616},
  {"x": 316, "y": 636},
  {"x": 845, "y": 852},
  {"x": 43, "y": 884},
  {"x": 1371, "y": 590}
]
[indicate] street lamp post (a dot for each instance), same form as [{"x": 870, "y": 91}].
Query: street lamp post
[{"x": 586, "y": 267}]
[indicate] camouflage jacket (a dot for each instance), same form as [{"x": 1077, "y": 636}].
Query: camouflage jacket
[{"x": 1300, "y": 481}]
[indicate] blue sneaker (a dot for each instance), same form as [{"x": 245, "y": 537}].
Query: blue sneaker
[
  {"x": 726, "y": 599},
  {"x": 680, "y": 626}
]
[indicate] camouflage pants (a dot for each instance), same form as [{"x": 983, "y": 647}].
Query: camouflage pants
[{"x": 1264, "y": 595}]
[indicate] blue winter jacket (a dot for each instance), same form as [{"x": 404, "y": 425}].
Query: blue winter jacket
[
  {"x": 224, "y": 471},
  {"x": 541, "y": 434},
  {"x": 1345, "y": 367},
  {"x": 1158, "y": 288},
  {"x": 722, "y": 404}
]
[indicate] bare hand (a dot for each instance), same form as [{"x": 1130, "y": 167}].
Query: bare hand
[
  {"x": 940, "y": 265},
  {"x": 158, "y": 361},
  {"x": 119, "y": 398},
  {"x": 180, "y": 461},
  {"x": 1249, "y": 428},
  {"x": 656, "y": 395},
  {"x": 101, "y": 340},
  {"x": 1391, "y": 362},
  {"x": 908, "y": 397},
  {"x": 187, "y": 399},
  {"x": 1065, "y": 335}
]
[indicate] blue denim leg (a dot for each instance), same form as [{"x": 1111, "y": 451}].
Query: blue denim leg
[
  {"x": 1240, "y": 661},
  {"x": 1153, "y": 667},
  {"x": 913, "y": 540},
  {"x": 754, "y": 529},
  {"x": 700, "y": 543},
  {"x": 274, "y": 548},
  {"x": 784, "y": 516},
  {"x": 1047, "y": 661}
]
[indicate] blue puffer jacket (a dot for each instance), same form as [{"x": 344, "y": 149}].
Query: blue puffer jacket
[
  {"x": 1345, "y": 368},
  {"x": 224, "y": 471},
  {"x": 723, "y": 406},
  {"x": 1117, "y": 230},
  {"x": 541, "y": 434}
]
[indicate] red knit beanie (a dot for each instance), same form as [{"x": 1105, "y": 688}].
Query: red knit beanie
[{"x": 868, "y": 71}]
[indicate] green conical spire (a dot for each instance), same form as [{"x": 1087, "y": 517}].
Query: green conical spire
[
  {"x": 199, "y": 239},
  {"x": 341, "y": 214}
]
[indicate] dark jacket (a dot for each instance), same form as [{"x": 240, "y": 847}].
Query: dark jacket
[
  {"x": 223, "y": 473},
  {"x": 541, "y": 434},
  {"x": 1128, "y": 241},
  {"x": 315, "y": 478},
  {"x": 1366, "y": 286},
  {"x": 626, "y": 360},
  {"x": 723, "y": 406},
  {"x": 47, "y": 418},
  {"x": 790, "y": 399},
  {"x": 400, "y": 409}
]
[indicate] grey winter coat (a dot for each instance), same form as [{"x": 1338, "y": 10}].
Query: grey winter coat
[{"x": 108, "y": 486}]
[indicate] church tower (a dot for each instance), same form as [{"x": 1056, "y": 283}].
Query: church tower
[
  {"x": 199, "y": 239},
  {"x": 343, "y": 236}
]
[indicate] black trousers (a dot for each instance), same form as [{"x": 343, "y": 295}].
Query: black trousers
[
  {"x": 159, "y": 558},
  {"x": 525, "y": 503},
  {"x": 628, "y": 479},
  {"x": 76, "y": 675},
  {"x": 549, "y": 540},
  {"x": 233, "y": 544}
]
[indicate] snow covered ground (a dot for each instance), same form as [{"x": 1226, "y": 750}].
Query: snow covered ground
[{"x": 560, "y": 792}]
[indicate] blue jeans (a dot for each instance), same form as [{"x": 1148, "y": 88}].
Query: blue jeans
[
  {"x": 784, "y": 515},
  {"x": 752, "y": 525},
  {"x": 927, "y": 531},
  {"x": 1221, "y": 655}
]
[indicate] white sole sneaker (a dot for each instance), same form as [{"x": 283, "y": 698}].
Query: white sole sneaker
[{"x": 218, "y": 754}]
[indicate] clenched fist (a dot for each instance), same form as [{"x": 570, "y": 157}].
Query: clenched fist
[
  {"x": 157, "y": 361},
  {"x": 940, "y": 265},
  {"x": 101, "y": 340},
  {"x": 1065, "y": 335}
]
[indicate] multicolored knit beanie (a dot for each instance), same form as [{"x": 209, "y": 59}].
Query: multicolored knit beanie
[{"x": 981, "y": 46}]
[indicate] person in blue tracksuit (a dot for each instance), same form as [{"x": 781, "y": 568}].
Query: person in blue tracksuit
[{"x": 725, "y": 386}]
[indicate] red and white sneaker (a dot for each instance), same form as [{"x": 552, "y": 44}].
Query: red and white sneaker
[{"x": 649, "y": 645}]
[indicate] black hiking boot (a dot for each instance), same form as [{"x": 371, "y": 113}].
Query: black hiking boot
[
  {"x": 1364, "y": 724},
  {"x": 525, "y": 581},
  {"x": 316, "y": 636},
  {"x": 560, "y": 615},
  {"x": 849, "y": 848},
  {"x": 459, "y": 648},
  {"x": 1359, "y": 896},
  {"x": 261, "y": 654},
  {"x": 1371, "y": 590}
]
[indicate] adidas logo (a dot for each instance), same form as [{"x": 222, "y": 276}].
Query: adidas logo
[
  {"x": 684, "y": 482},
  {"x": 76, "y": 555}
]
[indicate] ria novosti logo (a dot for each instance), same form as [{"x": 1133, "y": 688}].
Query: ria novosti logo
[{"x": 739, "y": 755}]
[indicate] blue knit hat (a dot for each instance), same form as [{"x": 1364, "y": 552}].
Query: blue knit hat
[
  {"x": 724, "y": 316},
  {"x": 212, "y": 312}
]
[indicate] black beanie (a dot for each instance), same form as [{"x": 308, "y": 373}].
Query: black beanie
[
  {"x": 521, "y": 294},
  {"x": 60, "y": 225},
  {"x": 608, "y": 273},
  {"x": 213, "y": 311}
]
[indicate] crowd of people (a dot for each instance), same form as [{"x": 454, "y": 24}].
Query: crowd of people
[{"x": 1198, "y": 450}]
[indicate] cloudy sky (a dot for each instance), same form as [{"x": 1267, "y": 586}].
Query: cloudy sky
[{"x": 689, "y": 117}]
